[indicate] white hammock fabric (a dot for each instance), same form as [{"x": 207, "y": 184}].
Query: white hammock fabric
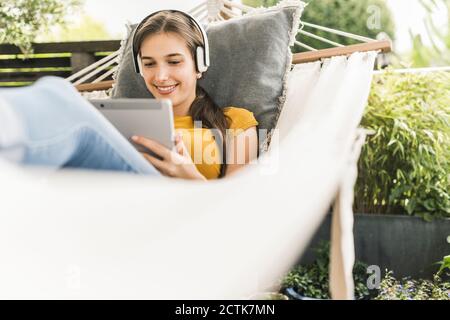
[
  {"x": 320, "y": 96},
  {"x": 109, "y": 235}
]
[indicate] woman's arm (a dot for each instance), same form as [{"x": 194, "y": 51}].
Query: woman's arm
[{"x": 241, "y": 150}]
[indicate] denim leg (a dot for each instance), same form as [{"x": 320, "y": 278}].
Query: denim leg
[{"x": 59, "y": 128}]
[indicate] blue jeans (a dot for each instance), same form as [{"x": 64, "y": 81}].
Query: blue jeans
[{"x": 50, "y": 124}]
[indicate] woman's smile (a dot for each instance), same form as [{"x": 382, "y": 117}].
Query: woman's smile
[{"x": 164, "y": 90}]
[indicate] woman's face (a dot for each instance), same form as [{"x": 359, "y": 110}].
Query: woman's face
[{"x": 169, "y": 70}]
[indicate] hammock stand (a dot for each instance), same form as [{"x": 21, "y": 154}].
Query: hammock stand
[{"x": 342, "y": 250}]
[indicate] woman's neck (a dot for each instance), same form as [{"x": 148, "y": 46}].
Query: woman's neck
[{"x": 183, "y": 108}]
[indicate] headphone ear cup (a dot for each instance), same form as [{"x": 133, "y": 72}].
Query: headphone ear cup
[
  {"x": 201, "y": 60},
  {"x": 139, "y": 62}
]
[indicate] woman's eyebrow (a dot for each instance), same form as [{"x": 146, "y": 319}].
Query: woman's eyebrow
[{"x": 168, "y": 56}]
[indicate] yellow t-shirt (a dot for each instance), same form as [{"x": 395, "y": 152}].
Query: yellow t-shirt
[{"x": 201, "y": 144}]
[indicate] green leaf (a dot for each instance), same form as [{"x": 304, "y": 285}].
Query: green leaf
[
  {"x": 429, "y": 204},
  {"x": 445, "y": 264},
  {"x": 427, "y": 216}
]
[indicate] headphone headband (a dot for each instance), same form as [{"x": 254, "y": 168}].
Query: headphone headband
[{"x": 200, "y": 58}]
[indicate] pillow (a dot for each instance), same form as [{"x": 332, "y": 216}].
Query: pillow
[{"x": 250, "y": 57}]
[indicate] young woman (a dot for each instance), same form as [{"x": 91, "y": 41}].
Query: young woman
[{"x": 50, "y": 124}]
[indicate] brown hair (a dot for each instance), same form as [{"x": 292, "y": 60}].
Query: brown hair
[{"x": 203, "y": 108}]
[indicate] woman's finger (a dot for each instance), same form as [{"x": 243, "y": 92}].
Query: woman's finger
[
  {"x": 180, "y": 146},
  {"x": 162, "y": 166},
  {"x": 152, "y": 145}
]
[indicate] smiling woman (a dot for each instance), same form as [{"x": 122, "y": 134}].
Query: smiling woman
[{"x": 171, "y": 53}]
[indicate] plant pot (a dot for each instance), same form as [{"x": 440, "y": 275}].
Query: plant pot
[
  {"x": 409, "y": 246},
  {"x": 294, "y": 295}
]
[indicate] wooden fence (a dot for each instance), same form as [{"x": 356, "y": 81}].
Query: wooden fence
[{"x": 57, "y": 59}]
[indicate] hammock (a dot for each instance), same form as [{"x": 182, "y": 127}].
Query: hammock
[{"x": 112, "y": 235}]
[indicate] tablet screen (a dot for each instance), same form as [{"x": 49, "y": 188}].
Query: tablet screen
[{"x": 149, "y": 118}]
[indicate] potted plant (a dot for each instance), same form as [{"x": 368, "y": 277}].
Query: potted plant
[{"x": 402, "y": 194}]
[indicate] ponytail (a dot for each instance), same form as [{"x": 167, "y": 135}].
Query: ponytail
[{"x": 204, "y": 109}]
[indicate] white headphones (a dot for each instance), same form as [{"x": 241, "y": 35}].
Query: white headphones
[{"x": 202, "y": 52}]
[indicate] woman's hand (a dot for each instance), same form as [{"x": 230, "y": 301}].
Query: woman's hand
[{"x": 177, "y": 163}]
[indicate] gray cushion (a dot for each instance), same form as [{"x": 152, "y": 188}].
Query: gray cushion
[
  {"x": 250, "y": 57},
  {"x": 128, "y": 83}
]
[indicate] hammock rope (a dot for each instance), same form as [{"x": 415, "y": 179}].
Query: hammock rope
[{"x": 213, "y": 11}]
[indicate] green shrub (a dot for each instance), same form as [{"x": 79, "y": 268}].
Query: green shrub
[
  {"x": 408, "y": 289},
  {"x": 362, "y": 17},
  {"x": 404, "y": 167},
  {"x": 313, "y": 280},
  {"x": 350, "y": 16},
  {"x": 438, "y": 52},
  {"x": 21, "y": 21}
]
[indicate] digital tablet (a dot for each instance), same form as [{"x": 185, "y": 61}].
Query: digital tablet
[{"x": 149, "y": 118}]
